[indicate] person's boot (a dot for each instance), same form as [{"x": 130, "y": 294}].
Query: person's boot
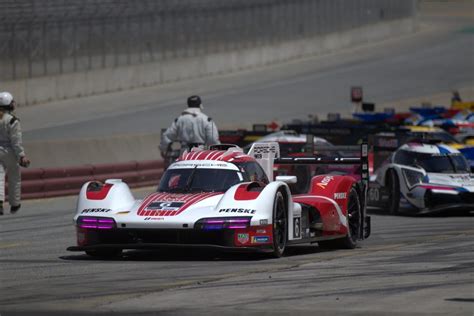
[
  {"x": 1, "y": 207},
  {"x": 14, "y": 208}
]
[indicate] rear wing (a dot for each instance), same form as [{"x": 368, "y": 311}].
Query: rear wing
[
  {"x": 268, "y": 154},
  {"x": 362, "y": 160}
]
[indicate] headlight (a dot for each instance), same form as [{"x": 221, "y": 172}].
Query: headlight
[
  {"x": 223, "y": 223},
  {"x": 413, "y": 177},
  {"x": 89, "y": 222}
]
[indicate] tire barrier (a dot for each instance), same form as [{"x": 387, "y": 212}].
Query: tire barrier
[{"x": 51, "y": 182}]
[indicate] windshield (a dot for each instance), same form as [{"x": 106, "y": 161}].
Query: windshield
[
  {"x": 198, "y": 180},
  {"x": 453, "y": 163}
]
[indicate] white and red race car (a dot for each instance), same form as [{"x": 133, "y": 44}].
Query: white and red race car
[{"x": 225, "y": 199}]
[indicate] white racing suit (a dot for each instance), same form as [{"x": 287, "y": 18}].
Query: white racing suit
[
  {"x": 11, "y": 150},
  {"x": 191, "y": 128}
]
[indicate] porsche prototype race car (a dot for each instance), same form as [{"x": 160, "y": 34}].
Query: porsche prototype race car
[
  {"x": 292, "y": 144},
  {"x": 225, "y": 199},
  {"x": 423, "y": 178}
]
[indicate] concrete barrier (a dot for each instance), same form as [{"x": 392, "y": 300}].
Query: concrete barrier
[
  {"x": 51, "y": 182},
  {"x": 72, "y": 85},
  {"x": 110, "y": 150}
]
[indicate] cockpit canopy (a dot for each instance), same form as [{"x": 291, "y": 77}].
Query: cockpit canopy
[
  {"x": 202, "y": 176},
  {"x": 435, "y": 163}
]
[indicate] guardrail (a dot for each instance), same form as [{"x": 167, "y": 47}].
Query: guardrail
[{"x": 51, "y": 182}]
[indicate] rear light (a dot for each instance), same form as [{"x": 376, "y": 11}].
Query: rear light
[
  {"x": 88, "y": 222},
  {"x": 223, "y": 223}
]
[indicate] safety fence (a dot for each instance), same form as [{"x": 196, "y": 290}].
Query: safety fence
[
  {"x": 51, "y": 182},
  {"x": 50, "y": 37}
]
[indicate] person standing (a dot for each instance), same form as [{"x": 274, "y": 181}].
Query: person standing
[
  {"x": 192, "y": 128},
  {"x": 12, "y": 154}
]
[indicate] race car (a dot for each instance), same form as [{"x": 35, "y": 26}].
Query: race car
[
  {"x": 292, "y": 144},
  {"x": 423, "y": 178},
  {"x": 436, "y": 134},
  {"x": 225, "y": 199}
]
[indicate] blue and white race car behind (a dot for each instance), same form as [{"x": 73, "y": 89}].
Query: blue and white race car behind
[{"x": 423, "y": 178}]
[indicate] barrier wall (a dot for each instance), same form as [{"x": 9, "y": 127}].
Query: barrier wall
[
  {"x": 109, "y": 150},
  {"x": 63, "y": 49},
  {"x": 51, "y": 182}
]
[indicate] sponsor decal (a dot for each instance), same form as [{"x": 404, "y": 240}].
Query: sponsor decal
[
  {"x": 204, "y": 164},
  {"x": 264, "y": 222},
  {"x": 296, "y": 227},
  {"x": 95, "y": 210},
  {"x": 237, "y": 210},
  {"x": 243, "y": 238},
  {"x": 260, "y": 239},
  {"x": 164, "y": 206},
  {"x": 340, "y": 195},
  {"x": 261, "y": 231},
  {"x": 154, "y": 219},
  {"x": 264, "y": 149},
  {"x": 324, "y": 182}
]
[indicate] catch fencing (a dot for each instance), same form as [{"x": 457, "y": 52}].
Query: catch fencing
[{"x": 51, "y": 37}]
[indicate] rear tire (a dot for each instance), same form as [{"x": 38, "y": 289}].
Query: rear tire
[
  {"x": 393, "y": 184},
  {"x": 280, "y": 225},
  {"x": 354, "y": 224},
  {"x": 104, "y": 253}
]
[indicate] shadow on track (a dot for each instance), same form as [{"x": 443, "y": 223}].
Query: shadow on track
[{"x": 195, "y": 255}]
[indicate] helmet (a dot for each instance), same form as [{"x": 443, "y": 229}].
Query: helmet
[
  {"x": 5, "y": 99},
  {"x": 194, "y": 101}
]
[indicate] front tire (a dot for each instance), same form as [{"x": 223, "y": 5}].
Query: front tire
[
  {"x": 354, "y": 224},
  {"x": 280, "y": 225},
  {"x": 393, "y": 184}
]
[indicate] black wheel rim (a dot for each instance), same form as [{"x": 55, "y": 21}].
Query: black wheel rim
[
  {"x": 280, "y": 225},
  {"x": 353, "y": 215}
]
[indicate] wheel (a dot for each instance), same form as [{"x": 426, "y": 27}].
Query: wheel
[
  {"x": 280, "y": 225},
  {"x": 104, "y": 253},
  {"x": 393, "y": 185},
  {"x": 354, "y": 223}
]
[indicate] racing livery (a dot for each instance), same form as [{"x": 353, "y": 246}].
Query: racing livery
[
  {"x": 423, "y": 178},
  {"x": 223, "y": 198}
]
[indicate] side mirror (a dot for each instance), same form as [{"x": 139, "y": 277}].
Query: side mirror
[{"x": 287, "y": 179}]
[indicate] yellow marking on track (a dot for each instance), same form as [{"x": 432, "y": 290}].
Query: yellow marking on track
[{"x": 5, "y": 245}]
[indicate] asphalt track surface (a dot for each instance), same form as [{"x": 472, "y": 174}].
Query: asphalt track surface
[
  {"x": 436, "y": 59},
  {"x": 409, "y": 266}
]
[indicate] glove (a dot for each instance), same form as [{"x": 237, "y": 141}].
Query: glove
[{"x": 24, "y": 162}]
